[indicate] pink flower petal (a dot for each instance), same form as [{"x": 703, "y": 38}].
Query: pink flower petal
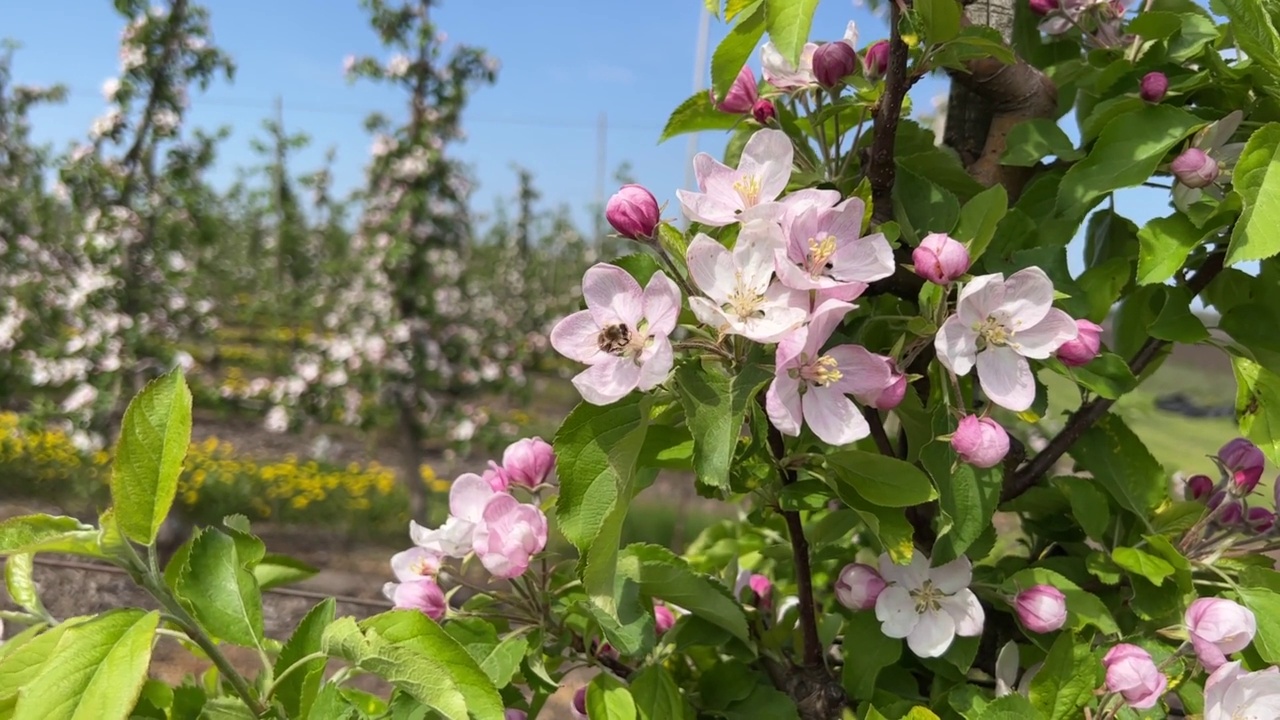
[
  {"x": 957, "y": 345},
  {"x": 661, "y": 304},
  {"x": 712, "y": 268},
  {"x": 833, "y": 417},
  {"x": 863, "y": 373},
  {"x": 612, "y": 296},
  {"x": 864, "y": 260},
  {"x": 1042, "y": 339},
  {"x": 657, "y": 365},
  {"x": 468, "y": 496},
  {"x": 782, "y": 404},
  {"x": 1028, "y": 295},
  {"x": 608, "y": 381},
  {"x": 1006, "y": 378},
  {"x": 824, "y": 321},
  {"x": 577, "y": 337}
]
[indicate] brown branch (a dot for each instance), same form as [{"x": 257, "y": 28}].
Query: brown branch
[
  {"x": 1089, "y": 413},
  {"x": 878, "y": 434},
  {"x": 883, "y": 170}
]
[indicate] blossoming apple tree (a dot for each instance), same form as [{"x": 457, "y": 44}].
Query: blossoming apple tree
[{"x": 849, "y": 342}]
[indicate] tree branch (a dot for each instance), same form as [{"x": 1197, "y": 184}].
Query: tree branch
[
  {"x": 1089, "y": 413},
  {"x": 883, "y": 169}
]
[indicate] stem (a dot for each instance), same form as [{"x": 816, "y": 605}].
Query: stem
[
  {"x": 877, "y": 431},
  {"x": 301, "y": 662},
  {"x": 883, "y": 170}
]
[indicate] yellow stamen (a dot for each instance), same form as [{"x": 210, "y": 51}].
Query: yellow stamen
[{"x": 748, "y": 188}]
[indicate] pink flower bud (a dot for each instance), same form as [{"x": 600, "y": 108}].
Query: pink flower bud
[
  {"x": 875, "y": 61},
  {"x": 1244, "y": 481},
  {"x": 858, "y": 586},
  {"x": 1154, "y": 86},
  {"x": 1261, "y": 519},
  {"x": 580, "y": 703},
  {"x": 513, "y": 714},
  {"x": 1240, "y": 454},
  {"x": 528, "y": 461},
  {"x": 497, "y": 477},
  {"x": 1232, "y": 514},
  {"x": 1199, "y": 487},
  {"x": 742, "y": 94},
  {"x": 981, "y": 442},
  {"x": 1041, "y": 608},
  {"x": 763, "y": 111},
  {"x": 1043, "y": 7},
  {"x": 833, "y": 62},
  {"x": 423, "y": 595},
  {"x": 763, "y": 588},
  {"x": 663, "y": 618},
  {"x": 1194, "y": 168},
  {"x": 507, "y": 535},
  {"x": 633, "y": 211},
  {"x": 940, "y": 259},
  {"x": 1133, "y": 674},
  {"x": 1219, "y": 627},
  {"x": 1084, "y": 348},
  {"x": 893, "y": 393}
]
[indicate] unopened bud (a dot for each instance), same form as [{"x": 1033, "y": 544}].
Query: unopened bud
[
  {"x": 1154, "y": 86},
  {"x": 833, "y": 62},
  {"x": 1043, "y": 7},
  {"x": 1084, "y": 348},
  {"x": 1261, "y": 519},
  {"x": 741, "y": 98},
  {"x": 1195, "y": 169},
  {"x": 1199, "y": 487},
  {"x": 633, "y": 211},
  {"x": 763, "y": 111},
  {"x": 981, "y": 442},
  {"x": 875, "y": 61},
  {"x": 940, "y": 259}
]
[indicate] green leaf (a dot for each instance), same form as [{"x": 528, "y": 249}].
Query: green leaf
[
  {"x": 968, "y": 496},
  {"x": 979, "y": 218},
  {"x": 875, "y": 652},
  {"x": 1265, "y": 605},
  {"x": 1010, "y": 707},
  {"x": 1251, "y": 324},
  {"x": 1258, "y": 405},
  {"x": 596, "y": 453},
  {"x": 98, "y": 670},
  {"x": 1175, "y": 322},
  {"x": 276, "y": 570},
  {"x": 763, "y": 702},
  {"x": 1165, "y": 244},
  {"x": 1143, "y": 564},
  {"x": 889, "y": 525},
  {"x": 735, "y": 50},
  {"x": 1155, "y": 25},
  {"x": 153, "y": 441},
  {"x": 1257, "y": 178},
  {"x": 696, "y": 114},
  {"x": 1083, "y": 608},
  {"x": 412, "y": 652},
  {"x": 940, "y": 18},
  {"x": 881, "y": 480},
  {"x": 923, "y": 206},
  {"x": 19, "y": 580},
  {"x": 608, "y": 698},
  {"x": 1089, "y": 505},
  {"x": 1126, "y": 154},
  {"x": 1122, "y": 465},
  {"x": 656, "y": 695},
  {"x": 1031, "y": 141},
  {"x": 20, "y": 534},
  {"x": 297, "y": 691},
  {"x": 219, "y": 590},
  {"x": 663, "y": 574},
  {"x": 732, "y": 8},
  {"x": 973, "y": 42},
  {"x": 1254, "y": 31},
  {"x": 789, "y": 22},
  {"x": 23, "y": 657},
  {"x": 640, "y": 266},
  {"x": 1107, "y": 375},
  {"x": 715, "y": 406}
]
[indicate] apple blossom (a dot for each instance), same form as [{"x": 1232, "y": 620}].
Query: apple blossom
[
  {"x": 833, "y": 62},
  {"x": 622, "y": 335},
  {"x": 779, "y": 72},
  {"x": 1195, "y": 169},
  {"x": 1199, "y": 169},
  {"x": 742, "y": 298},
  {"x": 727, "y": 195},
  {"x": 528, "y": 461},
  {"x": 928, "y": 606},
  {"x": 663, "y": 618},
  {"x": 763, "y": 111},
  {"x": 825, "y": 250},
  {"x": 810, "y": 387},
  {"x": 497, "y": 477},
  {"x": 858, "y": 586},
  {"x": 940, "y": 259},
  {"x": 1085, "y": 347},
  {"x": 1199, "y": 487},
  {"x": 875, "y": 60},
  {"x": 1153, "y": 87},
  {"x": 507, "y": 535},
  {"x": 415, "y": 564},
  {"x": 467, "y": 499},
  {"x": 1261, "y": 519},
  {"x": 633, "y": 211},
  {"x": 1219, "y": 627},
  {"x": 1000, "y": 323},
  {"x": 892, "y": 394},
  {"x": 1041, "y": 608},
  {"x": 423, "y": 595},
  {"x": 742, "y": 94},
  {"x": 1245, "y": 463},
  {"x": 981, "y": 442},
  {"x": 1230, "y": 693},
  {"x": 1133, "y": 675}
]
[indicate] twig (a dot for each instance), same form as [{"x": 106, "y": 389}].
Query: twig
[
  {"x": 883, "y": 169},
  {"x": 877, "y": 431}
]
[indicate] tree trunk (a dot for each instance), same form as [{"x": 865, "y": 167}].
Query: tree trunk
[{"x": 968, "y": 114}]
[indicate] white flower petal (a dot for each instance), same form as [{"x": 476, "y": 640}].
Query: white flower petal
[
  {"x": 768, "y": 156},
  {"x": 896, "y": 612},
  {"x": 577, "y": 337},
  {"x": 910, "y": 576},
  {"x": 753, "y": 254},
  {"x": 612, "y": 296},
  {"x": 833, "y": 417},
  {"x": 657, "y": 366},
  {"x": 709, "y": 314},
  {"x": 864, "y": 260},
  {"x": 979, "y": 298},
  {"x": 932, "y": 634},
  {"x": 607, "y": 382},
  {"x": 966, "y": 612},
  {"x": 782, "y": 404},
  {"x": 661, "y": 304},
  {"x": 1006, "y": 378},
  {"x": 954, "y": 576},
  {"x": 712, "y": 268},
  {"x": 1028, "y": 295},
  {"x": 1046, "y": 336},
  {"x": 957, "y": 345}
]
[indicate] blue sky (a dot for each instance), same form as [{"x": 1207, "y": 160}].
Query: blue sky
[{"x": 564, "y": 62}]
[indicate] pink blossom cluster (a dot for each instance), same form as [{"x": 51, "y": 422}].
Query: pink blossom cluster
[{"x": 1230, "y": 500}]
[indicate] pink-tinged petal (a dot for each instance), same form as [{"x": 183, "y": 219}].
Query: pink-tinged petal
[
  {"x": 657, "y": 366},
  {"x": 709, "y": 314},
  {"x": 957, "y": 345},
  {"x": 896, "y": 611},
  {"x": 802, "y": 228},
  {"x": 706, "y": 209},
  {"x": 844, "y": 292},
  {"x": 783, "y": 311},
  {"x": 954, "y": 576},
  {"x": 452, "y": 539},
  {"x": 864, "y": 260},
  {"x": 782, "y": 404},
  {"x": 863, "y": 374},
  {"x": 1209, "y": 654},
  {"x": 418, "y": 533},
  {"x": 1042, "y": 339},
  {"x": 793, "y": 276},
  {"x": 966, "y": 611},
  {"x": 608, "y": 381},
  {"x": 979, "y": 298},
  {"x": 712, "y": 268},
  {"x": 1006, "y": 378},
  {"x": 661, "y": 304},
  {"x": 415, "y": 564},
  {"x": 612, "y": 296},
  {"x": 800, "y": 200},
  {"x": 577, "y": 337},
  {"x": 768, "y": 155},
  {"x": 911, "y": 576},
  {"x": 753, "y": 254},
  {"x": 932, "y": 635},
  {"x": 1221, "y": 680},
  {"x": 1028, "y": 295},
  {"x": 790, "y": 346},
  {"x": 846, "y": 219},
  {"x": 833, "y": 417},
  {"x": 468, "y": 496},
  {"x": 826, "y": 318},
  {"x": 707, "y": 168}
]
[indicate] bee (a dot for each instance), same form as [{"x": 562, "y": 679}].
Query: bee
[{"x": 614, "y": 339}]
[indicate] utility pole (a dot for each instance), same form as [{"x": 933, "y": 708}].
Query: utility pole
[{"x": 699, "y": 84}]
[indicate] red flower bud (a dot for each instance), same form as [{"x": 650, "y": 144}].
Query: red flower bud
[
  {"x": 763, "y": 111},
  {"x": 875, "y": 61},
  {"x": 742, "y": 95},
  {"x": 1084, "y": 348},
  {"x": 1154, "y": 86},
  {"x": 833, "y": 62},
  {"x": 1199, "y": 487},
  {"x": 1043, "y": 7},
  {"x": 633, "y": 212}
]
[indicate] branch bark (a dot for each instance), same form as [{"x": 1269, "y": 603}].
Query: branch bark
[
  {"x": 1089, "y": 413},
  {"x": 883, "y": 169}
]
